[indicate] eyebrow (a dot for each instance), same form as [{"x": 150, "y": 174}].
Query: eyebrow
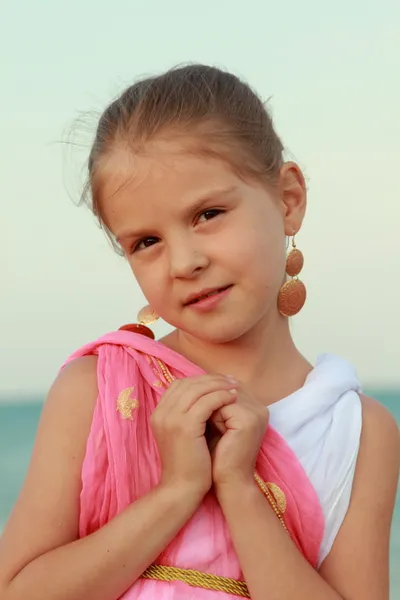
[
  {"x": 207, "y": 197},
  {"x": 211, "y": 195}
]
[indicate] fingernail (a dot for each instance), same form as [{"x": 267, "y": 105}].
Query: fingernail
[
  {"x": 231, "y": 378},
  {"x": 233, "y": 392}
]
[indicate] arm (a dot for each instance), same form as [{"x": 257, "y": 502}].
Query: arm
[
  {"x": 357, "y": 567},
  {"x": 40, "y": 554}
]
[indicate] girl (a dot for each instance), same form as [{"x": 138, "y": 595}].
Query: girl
[{"x": 157, "y": 473}]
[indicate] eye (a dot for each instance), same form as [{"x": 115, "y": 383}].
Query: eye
[
  {"x": 144, "y": 243},
  {"x": 209, "y": 214}
]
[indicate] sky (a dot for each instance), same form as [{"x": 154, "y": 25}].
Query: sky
[{"x": 331, "y": 72}]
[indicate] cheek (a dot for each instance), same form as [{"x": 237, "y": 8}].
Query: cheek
[
  {"x": 265, "y": 263},
  {"x": 257, "y": 250},
  {"x": 150, "y": 280}
]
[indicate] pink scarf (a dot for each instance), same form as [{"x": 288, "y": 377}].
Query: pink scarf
[{"x": 122, "y": 464}]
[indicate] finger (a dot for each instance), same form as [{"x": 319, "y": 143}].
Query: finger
[
  {"x": 206, "y": 386},
  {"x": 218, "y": 421},
  {"x": 239, "y": 416},
  {"x": 210, "y": 403},
  {"x": 183, "y": 394},
  {"x": 218, "y": 418},
  {"x": 175, "y": 390},
  {"x": 230, "y": 416}
]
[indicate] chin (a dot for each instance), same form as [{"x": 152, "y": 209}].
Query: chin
[{"x": 223, "y": 333}]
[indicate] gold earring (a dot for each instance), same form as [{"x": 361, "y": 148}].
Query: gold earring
[
  {"x": 293, "y": 293},
  {"x": 146, "y": 316}
]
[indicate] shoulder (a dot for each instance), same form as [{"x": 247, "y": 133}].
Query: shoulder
[
  {"x": 82, "y": 369},
  {"x": 379, "y": 454},
  {"x": 71, "y": 399},
  {"x": 379, "y": 430},
  {"x": 76, "y": 379}
]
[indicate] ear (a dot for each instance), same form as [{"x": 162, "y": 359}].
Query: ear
[{"x": 293, "y": 196}]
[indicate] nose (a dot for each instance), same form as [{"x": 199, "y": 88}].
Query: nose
[{"x": 186, "y": 258}]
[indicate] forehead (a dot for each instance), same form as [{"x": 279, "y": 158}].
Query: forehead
[{"x": 166, "y": 171}]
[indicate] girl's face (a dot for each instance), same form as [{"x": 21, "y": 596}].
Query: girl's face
[{"x": 190, "y": 227}]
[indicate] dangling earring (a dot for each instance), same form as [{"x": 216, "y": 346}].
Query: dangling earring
[
  {"x": 146, "y": 316},
  {"x": 292, "y": 294}
]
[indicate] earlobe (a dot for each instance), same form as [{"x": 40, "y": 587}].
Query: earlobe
[{"x": 294, "y": 196}]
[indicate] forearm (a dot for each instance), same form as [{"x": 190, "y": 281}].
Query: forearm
[
  {"x": 272, "y": 565},
  {"x": 103, "y": 565}
]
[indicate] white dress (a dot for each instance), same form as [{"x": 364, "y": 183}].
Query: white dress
[{"x": 322, "y": 424}]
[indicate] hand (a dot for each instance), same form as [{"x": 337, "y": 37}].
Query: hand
[
  {"x": 242, "y": 426},
  {"x": 179, "y": 426}
]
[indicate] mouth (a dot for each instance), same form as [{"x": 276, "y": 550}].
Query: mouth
[{"x": 208, "y": 293}]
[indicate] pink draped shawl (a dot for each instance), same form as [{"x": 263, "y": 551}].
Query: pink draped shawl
[{"x": 122, "y": 464}]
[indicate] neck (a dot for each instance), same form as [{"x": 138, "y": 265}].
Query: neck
[{"x": 265, "y": 359}]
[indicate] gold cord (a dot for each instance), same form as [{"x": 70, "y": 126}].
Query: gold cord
[{"x": 198, "y": 579}]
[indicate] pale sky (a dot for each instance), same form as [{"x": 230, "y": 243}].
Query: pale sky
[{"x": 332, "y": 72}]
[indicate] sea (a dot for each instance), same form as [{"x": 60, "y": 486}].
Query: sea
[{"x": 18, "y": 424}]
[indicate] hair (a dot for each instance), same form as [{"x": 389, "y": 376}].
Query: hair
[{"x": 222, "y": 113}]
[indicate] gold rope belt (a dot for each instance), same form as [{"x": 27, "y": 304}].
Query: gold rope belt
[
  {"x": 198, "y": 579},
  {"x": 208, "y": 581}
]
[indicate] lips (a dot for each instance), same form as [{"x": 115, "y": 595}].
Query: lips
[{"x": 193, "y": 298}]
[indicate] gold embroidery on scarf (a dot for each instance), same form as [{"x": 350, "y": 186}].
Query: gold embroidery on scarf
[
  {"x": 158, "y": 383},
  {"x": 125, "y": 404},
  {"x": 278, "y": 495},
  {"x": 165, "y": 371},
  {"x": 271, "y": 499}
]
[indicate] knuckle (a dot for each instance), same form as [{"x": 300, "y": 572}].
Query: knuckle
[
  {"x": 155, "y": 420},
  {"x": 250, "y": 419},
  {"x": 223, "y": 394},
  {"x": 180, "y": 429},
  {"x": 222, "y": 397},
  {"x": 174, "y": 385},
  {"x": 168, "y": 423},
  {"x": 174, "y": 425}
]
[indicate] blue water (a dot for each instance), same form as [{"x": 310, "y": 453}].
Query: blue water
[{"x": 18, "y": 423}]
